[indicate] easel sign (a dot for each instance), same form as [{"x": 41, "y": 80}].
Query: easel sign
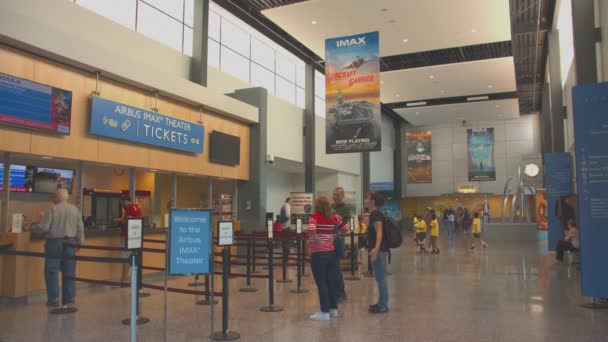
[
  {"x": 225, "y": 233},
  {"x": 134, "y": 238},
  {"x": 189, "y": 241}
]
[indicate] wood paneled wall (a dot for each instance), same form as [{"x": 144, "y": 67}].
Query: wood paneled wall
[{"x": 80, "y": 145}]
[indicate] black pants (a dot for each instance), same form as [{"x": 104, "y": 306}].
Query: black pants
[
  {"x": 325, "y": 272},
  {"x": 562, "y": 246}
]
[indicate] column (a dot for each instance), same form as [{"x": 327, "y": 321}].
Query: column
[
  {"x": 585, "y": 37},
  {"x": 198, "y": 70},
  {"x": 309, "y": 130}
]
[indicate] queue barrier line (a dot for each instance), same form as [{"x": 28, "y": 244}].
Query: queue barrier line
[
  {"x": 238, "y": 275},
  {"x": 77, "y": 257},
  {"x": 182, "y": 291},
  {"x": 154, "y": 241},
  {"x": 99, "y": 281}
]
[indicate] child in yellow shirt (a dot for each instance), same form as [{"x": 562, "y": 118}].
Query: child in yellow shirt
[
  {"x": 434, "y": 234},
  {"x": 476, "y": 233},
  {"x": 420, "y": 235}
]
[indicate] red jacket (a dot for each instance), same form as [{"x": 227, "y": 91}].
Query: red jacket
[{"x": 130, "y": 211}]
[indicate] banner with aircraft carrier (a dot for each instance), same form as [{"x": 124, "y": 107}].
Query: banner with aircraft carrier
[{"x": 352, "y": 94}]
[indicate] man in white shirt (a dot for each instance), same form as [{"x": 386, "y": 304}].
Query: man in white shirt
[{"x": 285, "y": 215}]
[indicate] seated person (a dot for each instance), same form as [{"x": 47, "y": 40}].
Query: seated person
[{"x": 570, "y": 243}]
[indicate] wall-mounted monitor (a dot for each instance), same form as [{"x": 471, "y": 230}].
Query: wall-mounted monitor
[
  {"x": 29, "y": 104},
  {"x": 49, "y": 179},
  {"x": 225, "y": 148},
  {"x": 22, "y": 178}
]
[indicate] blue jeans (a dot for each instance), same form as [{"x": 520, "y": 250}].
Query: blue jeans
[
  {"x": 380, "y": 275},
  {"x": 55, "y": 249},
  {"x": 451, "y": 229}
]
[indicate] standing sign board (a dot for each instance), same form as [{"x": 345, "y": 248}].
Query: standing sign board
[
  {"x": 189, "y": 241},
  {"x": 134, "y": 233},
  {"x": 591, "y": 138},
  {"x": 225, "y": 233},
  {"x": 558, "y": 181},
  {"x": 352, "y": 92},
  {"x": 302, "y": 205}
]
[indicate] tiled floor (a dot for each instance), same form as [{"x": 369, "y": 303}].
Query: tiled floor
[{"x": 511, "y": 292}]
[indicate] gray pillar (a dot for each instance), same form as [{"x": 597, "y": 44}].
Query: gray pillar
[
  {"x": 309, "y": 130},
  {"x": 132, "y": 185},
  {"x": 583, "y": 22},
  {"x": 398, "y": 162},
  {"x": 80, "y": 175},
  {"x": 173, "y": 198},
  {"x": 6, "y": 192},
  {"x": 252, "y": 193},
  {"x": 555, "y": 120},
  {"x": 365, "y": 174},
  {"x": 198, "y": 70}
]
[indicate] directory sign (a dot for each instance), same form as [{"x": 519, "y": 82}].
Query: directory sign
[
  {"x": 558, "y": 181},
  {"x": 29, "y": 104},
  {"x": 189, "y": 241},
  {"x": 121, "y": 121},
  {"x": 590, "y": 104}
]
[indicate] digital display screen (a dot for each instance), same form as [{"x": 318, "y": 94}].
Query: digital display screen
[
  {"x": 29, "y": 104},
  {"x": 225, "y": 148},
  {"x": 22, "y": 178},
  {"x": 49, "y": 180}
]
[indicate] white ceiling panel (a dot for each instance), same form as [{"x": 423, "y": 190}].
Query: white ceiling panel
[
  {"x": 455, "y": 113},
  {"x": 405, "y": 26},
  {"x": 449, "y": 80}
]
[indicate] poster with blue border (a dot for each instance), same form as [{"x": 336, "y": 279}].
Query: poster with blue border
[
  {"x": 189, "y": 245},
  {"x": 120, "y": 121},
  {"x": 590, "y": 105},
  {"x": 558, "y": 181}
]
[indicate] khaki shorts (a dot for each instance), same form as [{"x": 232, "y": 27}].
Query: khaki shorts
[{"x": 476, "y": 235}]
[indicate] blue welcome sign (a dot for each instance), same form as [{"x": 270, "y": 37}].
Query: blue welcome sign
[
  {"x": 189, "y": 244},
  {"x": 121, "y": 121},
  {"x": 558, "y": 181}
]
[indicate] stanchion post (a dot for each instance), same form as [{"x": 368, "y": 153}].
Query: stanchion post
[
  {"x": 304, "y": 259},
  {"x": 135, "y": 295},
  {"x": 248, "y": 287},
  {"x": 285, "y": 247},
  {"x": 271, "y": 307},
  {"x": 207, "y": 300},
  {"x": 140, "y": 276},
  {"x": 352, "y": 255},
  {"x": 299, "y": 262},
  {"x": 254, "y": 248},
  {"x": 225, "y": 335}
]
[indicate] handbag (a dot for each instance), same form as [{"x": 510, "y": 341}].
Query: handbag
[{"x": 339, "y": 243}]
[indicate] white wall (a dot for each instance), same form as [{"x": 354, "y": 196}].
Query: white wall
[
  {"x": 514, "y": 141},
  {"x": 382, "y": 162},
  {"x": 280, "y": 185}
]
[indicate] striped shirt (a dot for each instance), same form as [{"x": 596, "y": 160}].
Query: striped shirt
[{"x": 323, "y": 229}]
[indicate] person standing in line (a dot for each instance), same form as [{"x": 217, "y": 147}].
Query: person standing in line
[
  {"x": 129, "y": 210},
  {"x": 63, "y": 226},
  {"x": 570, "y": 243},
  {"x": 476, "y": 233},
  {"x": 343, "y": 212},
  {"x": 420, "y": 235},
  {"x": 323, "y": 257},
  {"x": 379, "y": 250},
  {"x": 434, "y": 234},
  {"x": 285, "y": 221}
]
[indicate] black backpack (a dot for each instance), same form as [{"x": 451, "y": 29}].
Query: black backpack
[{"x": 394, "y": 239}]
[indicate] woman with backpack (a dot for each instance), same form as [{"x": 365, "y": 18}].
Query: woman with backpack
[{"x": 379, "y": 250}]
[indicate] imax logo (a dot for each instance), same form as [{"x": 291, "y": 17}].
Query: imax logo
[{"x": 349, "y": 42}]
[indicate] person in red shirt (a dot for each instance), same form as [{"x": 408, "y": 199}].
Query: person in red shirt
[
  {"x": 129, "y": 210},
  {"x": 324, "y": 265}
]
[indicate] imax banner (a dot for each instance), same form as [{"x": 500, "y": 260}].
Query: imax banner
[
  {"x": 481, "y": 154},
  {"x": 419, "y": 161},
  {"x": 352, "y": 93}
]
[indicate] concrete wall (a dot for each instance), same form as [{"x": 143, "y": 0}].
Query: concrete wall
[
  {"x": 515, "y": 141},
  {"x": 382, "y": 162}
]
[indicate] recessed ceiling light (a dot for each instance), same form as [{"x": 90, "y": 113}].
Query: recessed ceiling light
[
  {"x": 381, "y": 82},
  {"x": 432, "y": 76},
  {"x": 190, "y": 174},
  {"x": 314, "y": 22},
  {"x": 473, "y": 30},
  {"x": 406, "y": 40},
  {"x": 47, "y": 157},
  {"x": 153, "y": 170},
  {"x": 497, "y": 106},
  {"x": 397, "y": 95},
  {"x": 490, "y": 86}
]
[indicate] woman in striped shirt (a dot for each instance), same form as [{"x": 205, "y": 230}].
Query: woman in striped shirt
[{"x": 324, "y": 265}]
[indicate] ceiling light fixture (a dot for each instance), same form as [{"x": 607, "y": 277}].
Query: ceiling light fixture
[
  {"x": 416, "y": 104},
  {"x": 406, "y": 40},
  {"x": 381, "y": 82},
  {"x": 490, "y": 86},
  {"x": 432, "y": 76},
  {"x": 47, "y": 157},
  {"x": 473, "y": 30},
  {"x": 397, "y": 95},
  {"x": 478, "y": 98},
  {"x": 153, "y": 170},
  {"x": 314, "y": 22}
]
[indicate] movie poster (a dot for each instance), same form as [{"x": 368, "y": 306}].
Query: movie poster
[
  {"x": 352, "y": 94},
  {"x": 481, "y": 154},
  {"x": 419, "y": 160}
]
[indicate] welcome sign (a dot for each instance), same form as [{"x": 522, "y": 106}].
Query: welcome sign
[{"x": 121, "y": 121}]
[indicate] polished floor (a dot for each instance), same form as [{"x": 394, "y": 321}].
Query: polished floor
[{"x": 511, "y": 292}]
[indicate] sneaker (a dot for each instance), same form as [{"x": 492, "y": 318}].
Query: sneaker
[
  {"x": 53, "y": 304},
  {"x": 485, "y": 245},
  {"x": 378, "y": 310},
  {"x": 333, "y": 313},
  {"x": 320, "y": 316},
  {"x": 373, "y": 306}
]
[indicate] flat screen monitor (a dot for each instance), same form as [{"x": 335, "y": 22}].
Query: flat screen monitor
[
  {"x": 22, "y": 178},
  {"x": 49, "y": 180},
  {"x": 225, "y": 148},
  {"x": 29, "y": 104}
]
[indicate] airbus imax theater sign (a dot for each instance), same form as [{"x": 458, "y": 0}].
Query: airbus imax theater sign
[{"x": 121, "y": 121}]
